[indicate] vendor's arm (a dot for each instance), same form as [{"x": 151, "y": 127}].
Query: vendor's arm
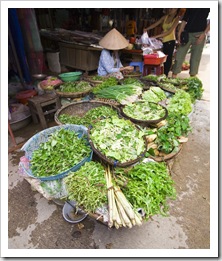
[{"x": 204, "y": 34}]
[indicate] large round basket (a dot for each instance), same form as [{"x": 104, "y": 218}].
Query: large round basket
[
  {"x": 34, "y": 142},
  {"x": 142, "y": 122},
  {"x": 80, "y": 109},
  {"x": 112, "y": 162},
  {"x": 72, "y": 94}
]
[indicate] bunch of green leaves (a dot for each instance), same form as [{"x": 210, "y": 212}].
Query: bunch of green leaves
[
  {"x": 154, "y": 94},
  {"x": 89, "y": 117},
  {"x": 113, "y": 138},
  {"x": 75, "y": 86},
  {"x": 144, "y": 110},
  {"x": 87, "y": 186},
  {"x": 132, "y": 81},
  {"x": 63, "y": 150},
  {"x": 111, "y": 81},
  {"x": 167, "y": 135},
  {"x": 195, "y": 88},
  {"x": 119, "y": 93},
  {"x": 147, "y": 186},
  {"x": 180, "y": 103},
  {"x": 151, "y": 77}
]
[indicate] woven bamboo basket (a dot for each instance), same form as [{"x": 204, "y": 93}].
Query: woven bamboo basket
[
  {"x": 72, "y": 94},
  {"x": 115, "y": 163},
  {"x": 80, "y": 108},
  {"x": 142, "y": 122}
]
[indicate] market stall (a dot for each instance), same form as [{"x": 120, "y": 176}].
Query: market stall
[{"x": 120, "y": 180}]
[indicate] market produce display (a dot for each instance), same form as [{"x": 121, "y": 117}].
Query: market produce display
[
  {"x": 112, "y": 137},
  {"x": 47, "y": 160},
  {"x": 121, "y": 185}
]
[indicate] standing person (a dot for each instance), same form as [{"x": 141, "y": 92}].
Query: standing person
[
  {"x": 195, "y": 23},
  {"x": 169, "y": 24},
  {"x": 109, "y": 62},
  {"x": 131, "y": 27}
]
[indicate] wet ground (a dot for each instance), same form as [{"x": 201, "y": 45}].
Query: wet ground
[{"x": 37, "y": 223}]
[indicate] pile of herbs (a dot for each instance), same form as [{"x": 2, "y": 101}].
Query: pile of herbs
[
  {"x": 63, "y": 150},
  {"x": 168, "y": 135},
  {"x": 194, "y": 88},
  {"x": 180, "y": 103},
  {"x": 87, "y": 186},
  {"x": 117, "y": 139},
  {"x": 144, "y": 110},
  {"x": 75, "y": 86},
  {"x": 147, "y": 186},
  {"x": 132, "y": 81},
  {"x": 111, "y": 81},
  {"x": 89, "y": 117}
]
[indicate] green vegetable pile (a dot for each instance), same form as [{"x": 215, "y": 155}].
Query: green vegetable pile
[
  {"x": 195, "y": 88},
  {"x": 62, "y": 151},
  {"x": 113, "y": 138},
  {"x": 87, "y": 186},
  {"x": 154, "y": 94},
  {"x": 180, "y": 103},
  {"x": 89, "y": 117},
  {"x": 147, "y": 186},
  {"x": 167, "y": 136},
  {"x": 132, "y": 81},
  {"x": 111, "y": 81},
  {"x": 75, "y": 86},
  {"x": 120, "y": 93},
  {"x": 144, "y": 110}
]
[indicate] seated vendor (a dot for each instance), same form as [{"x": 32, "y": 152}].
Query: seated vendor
[{"x": 109, "y": 62}]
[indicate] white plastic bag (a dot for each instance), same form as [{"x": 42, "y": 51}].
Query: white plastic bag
[{"x": 145, "y": 39}]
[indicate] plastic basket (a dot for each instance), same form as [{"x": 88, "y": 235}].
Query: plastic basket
[
  {"x": 34, "y": 142},
  {"x": 154, "y": 59}
]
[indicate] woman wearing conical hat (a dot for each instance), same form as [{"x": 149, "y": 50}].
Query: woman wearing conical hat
[{"x": 109, "y": 62}]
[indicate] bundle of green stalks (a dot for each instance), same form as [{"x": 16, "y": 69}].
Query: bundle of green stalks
[{"x": 121, "y": 213}]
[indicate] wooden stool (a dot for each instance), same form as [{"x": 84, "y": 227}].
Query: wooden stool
[
  {"x": 147, "y": 69},
  {"x": 37, "y": 104}
]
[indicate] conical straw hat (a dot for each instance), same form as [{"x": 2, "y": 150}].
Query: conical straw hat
[{"x": 114, "y": 40}]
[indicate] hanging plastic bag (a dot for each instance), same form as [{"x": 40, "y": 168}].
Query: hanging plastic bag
[{"x": 145, "y": 39}]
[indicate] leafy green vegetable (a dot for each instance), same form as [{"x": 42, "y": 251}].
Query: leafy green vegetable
[
  {"x": 111, "y": 81},
  {"x": 147, "y": 186},
  {"x": 75, "y": 86},
  {"x": 134, "y": 81},
  {"x": 63, "y": 150},
  {"x": 87, "y": 186},
  {"x": 154, "y": 94},
  {"x": 113, "y": 138},
  {"x": 144, "y": 110},
  {"x": 180, "y": 103},
  {"x": 120, "y": 93},
  {"x": 89, "y": 117},
  {"x": 167, "y": 135}
]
